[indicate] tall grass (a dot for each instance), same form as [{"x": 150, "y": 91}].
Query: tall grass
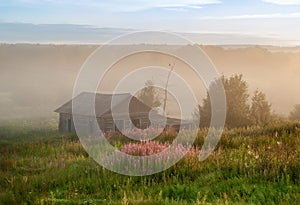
[{"x": 257, "y": 165}]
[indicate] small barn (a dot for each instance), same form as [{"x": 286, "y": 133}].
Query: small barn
[{"x": 138, "y": 112}]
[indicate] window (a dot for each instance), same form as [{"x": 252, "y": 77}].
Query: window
[
  {"x": 136, "y": 123},
  {"x": 69, "y": 125},
  {"x": 145, "y": 125}
]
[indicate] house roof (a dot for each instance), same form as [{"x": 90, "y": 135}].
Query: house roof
[
  {"x": 103, "y": 106},
  {"x": 102, "y": 101}
]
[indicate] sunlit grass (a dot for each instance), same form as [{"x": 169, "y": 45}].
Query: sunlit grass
[{"x": 258, "y": 165}]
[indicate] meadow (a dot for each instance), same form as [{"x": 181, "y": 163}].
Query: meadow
[{"x": 257, "y": 165}]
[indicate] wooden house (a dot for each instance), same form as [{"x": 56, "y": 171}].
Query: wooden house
[{"x": 138, "y": 112}]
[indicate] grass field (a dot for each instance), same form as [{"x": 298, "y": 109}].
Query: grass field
[{"x": 250, "y": 166}]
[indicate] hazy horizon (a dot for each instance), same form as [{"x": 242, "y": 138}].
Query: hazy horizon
[
  {"x": 36, "y": 79},
  {"x": 75, "y": 34}
]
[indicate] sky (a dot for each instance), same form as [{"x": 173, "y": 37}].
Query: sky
[{"x": 279, "y": 19}]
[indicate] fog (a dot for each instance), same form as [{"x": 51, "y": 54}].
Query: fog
[{"x": 36, "y": 79}]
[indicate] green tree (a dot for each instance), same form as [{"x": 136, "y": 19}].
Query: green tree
[
  {"x": 205, "y": 109},
  {"x": 149, "y": 95},
  {"x": 295, "y": 113},
  {"x": 236, "y": 90},
  {"x": 205, "y": 112},
  {"x": 260, "y": 109}
]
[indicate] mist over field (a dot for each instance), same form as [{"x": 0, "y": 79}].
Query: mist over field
[
  {"x": 36, "y": 79},
  {"x": 150, "y": 102}
]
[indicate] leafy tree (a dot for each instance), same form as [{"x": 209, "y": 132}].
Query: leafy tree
[
  {"x": 205, "y": 112},
  {"x": 205, "y": 109},
  {"x": 260, "y": 109},
  {"x": 149, "y": 95},
  {"x": 295, "y": 113},
  {"x": 236, "y": 90}
]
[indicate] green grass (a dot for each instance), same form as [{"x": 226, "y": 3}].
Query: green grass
[{"x": 249, "y": 166}]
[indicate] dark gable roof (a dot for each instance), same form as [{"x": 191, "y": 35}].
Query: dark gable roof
[{"x": 102, "y": 103}]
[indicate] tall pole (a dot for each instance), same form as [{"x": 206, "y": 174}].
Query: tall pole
[{"x": 166, "y": 87}]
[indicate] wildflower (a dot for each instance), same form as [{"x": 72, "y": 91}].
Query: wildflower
[{"x": 25, "y": 178}]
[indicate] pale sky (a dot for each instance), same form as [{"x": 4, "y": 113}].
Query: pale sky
[{"x": 263, "y": 18}]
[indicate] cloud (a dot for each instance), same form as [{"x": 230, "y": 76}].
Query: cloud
[
  {"x": 283, "y": 2},
  {"x": 253, "y": 16},
  {"x": 128, "y": 5}
]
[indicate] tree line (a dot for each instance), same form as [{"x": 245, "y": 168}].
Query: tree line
[
  {"x": 241, "y": 109},
  {"x": 239, "y": 112}
]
